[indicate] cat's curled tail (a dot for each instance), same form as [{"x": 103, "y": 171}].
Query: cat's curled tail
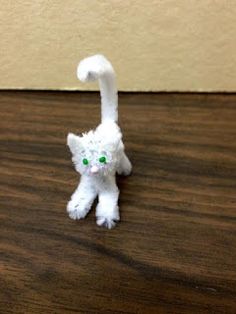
[{"x": 99, "y": 68}]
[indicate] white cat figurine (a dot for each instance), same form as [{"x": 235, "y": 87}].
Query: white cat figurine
[{"x": 99, "y": 154}]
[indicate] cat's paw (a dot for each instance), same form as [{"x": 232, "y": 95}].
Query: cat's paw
[
  {"x": 125, "y": 167},
  {"x": 106, "y": 222},
  {"x": 125, "y": 170},
  {"x": 107, "y": 213},
  {"x": 75, "y": 211}
]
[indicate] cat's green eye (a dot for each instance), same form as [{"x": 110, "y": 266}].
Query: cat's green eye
[
  {"x": 85, "y": 161},
  {"x": 102, "y": 159}
]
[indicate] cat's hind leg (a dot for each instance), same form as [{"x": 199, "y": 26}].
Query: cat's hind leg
[
  {"x": 82, "y": 199},
  {"x": 107, "y": 211},
  {"x": 124, "y": 167}
]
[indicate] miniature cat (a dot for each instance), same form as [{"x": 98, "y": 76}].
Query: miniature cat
[{"x": 99, "y": 154}]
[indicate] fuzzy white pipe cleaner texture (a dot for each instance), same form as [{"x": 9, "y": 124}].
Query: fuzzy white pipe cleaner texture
[{"x": 99, "y": 154}]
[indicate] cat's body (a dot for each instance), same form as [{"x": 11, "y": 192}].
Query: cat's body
[{"x": 98, "y": 155}]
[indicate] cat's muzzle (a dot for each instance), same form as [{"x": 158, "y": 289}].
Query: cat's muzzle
[{"x": 94, "y": 170}]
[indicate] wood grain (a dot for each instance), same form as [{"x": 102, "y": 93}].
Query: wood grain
[{"x": 175, "y": 248}]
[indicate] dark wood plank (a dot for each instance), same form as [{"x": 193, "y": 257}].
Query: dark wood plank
[{"x": 175, "y": 248}]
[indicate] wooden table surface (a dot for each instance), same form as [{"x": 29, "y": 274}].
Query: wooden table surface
[{"x": 174, "y": 250}]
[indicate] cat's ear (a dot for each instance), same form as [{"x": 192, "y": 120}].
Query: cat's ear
[{"x": 75, "y": 143}]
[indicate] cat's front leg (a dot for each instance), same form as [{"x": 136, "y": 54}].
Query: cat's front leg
[
  {"x": 107, "y": 211},
  {"x": 124, "y": 166},
  {"x": 82, "y": 199}
]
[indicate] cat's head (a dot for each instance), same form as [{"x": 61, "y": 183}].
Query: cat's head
[{"x": 95, "y": 153}]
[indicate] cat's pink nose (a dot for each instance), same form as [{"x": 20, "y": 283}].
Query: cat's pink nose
[{"x": 94, "y": 169}]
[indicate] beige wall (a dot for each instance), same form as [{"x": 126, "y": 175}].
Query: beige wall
[{"x": 185, "y": 45}]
